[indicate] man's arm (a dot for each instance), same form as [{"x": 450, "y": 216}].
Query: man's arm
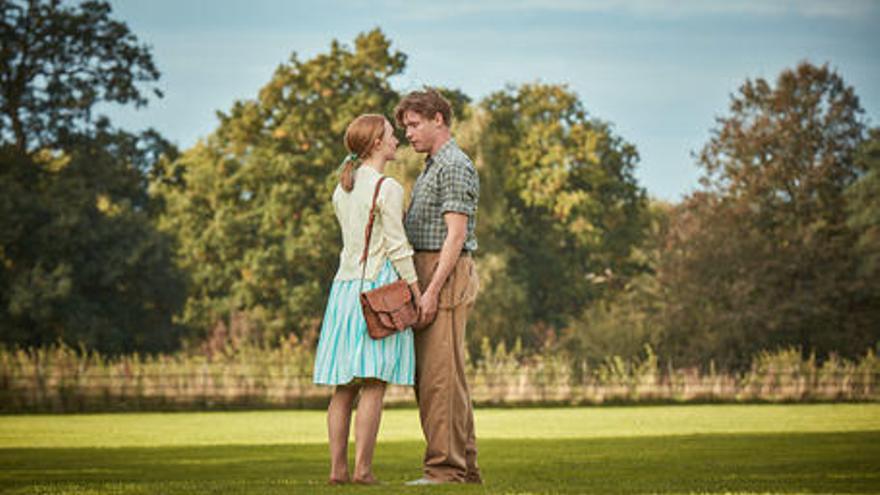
[{"x": 456, "y": 231}]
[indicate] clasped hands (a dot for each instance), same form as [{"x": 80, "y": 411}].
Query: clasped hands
[{"x": 426, "y": 303}]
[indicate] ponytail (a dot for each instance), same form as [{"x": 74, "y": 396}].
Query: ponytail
[
  {"x": 361, "y": 137},
  {"x": 346, "y": 180}
]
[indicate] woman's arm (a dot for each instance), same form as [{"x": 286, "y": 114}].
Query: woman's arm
[{"x": 399, "y": 250}]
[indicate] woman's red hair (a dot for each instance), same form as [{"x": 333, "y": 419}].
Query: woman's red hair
[{"x": 360, "y": 139}]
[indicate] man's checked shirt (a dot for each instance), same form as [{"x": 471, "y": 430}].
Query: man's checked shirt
[{"x": 449, "y": 182}]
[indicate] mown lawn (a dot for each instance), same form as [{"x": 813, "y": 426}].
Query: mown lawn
[{"x": 660, "y": 449}]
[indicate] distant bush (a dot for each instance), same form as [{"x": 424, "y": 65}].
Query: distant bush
[{"x": 62, "y": 379}]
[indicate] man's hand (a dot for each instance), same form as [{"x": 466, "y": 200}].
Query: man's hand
[{"x": 428, "y": 307}]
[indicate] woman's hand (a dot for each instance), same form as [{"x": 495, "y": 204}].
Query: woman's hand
[
  {"x": 417, "y": 300},
  {"x": 417, "y": 292}
]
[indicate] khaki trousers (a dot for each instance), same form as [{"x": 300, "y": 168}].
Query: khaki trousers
[{"x": 445, "y": 408}]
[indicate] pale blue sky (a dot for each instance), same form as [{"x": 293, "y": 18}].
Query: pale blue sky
[{"x": 659, "y": 70}]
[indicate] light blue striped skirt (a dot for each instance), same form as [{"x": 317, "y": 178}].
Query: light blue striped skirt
[{"x": 345, "y": 350}]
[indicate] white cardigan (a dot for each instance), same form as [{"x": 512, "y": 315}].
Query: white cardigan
[{"x": 389, "y": 237}]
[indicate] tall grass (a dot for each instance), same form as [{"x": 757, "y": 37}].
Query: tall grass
[{"x": 59, "y": 378}]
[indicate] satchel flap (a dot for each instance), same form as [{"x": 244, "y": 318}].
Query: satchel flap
[
  {"x": 405, "y": 317},
  {"x": 390, "y": 297},
  {"x": 386, "y": 320}
]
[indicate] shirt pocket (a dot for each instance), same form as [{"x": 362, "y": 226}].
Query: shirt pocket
[
  {"x": 432, "y": 196},
  {"x": 423, "y": 200}
]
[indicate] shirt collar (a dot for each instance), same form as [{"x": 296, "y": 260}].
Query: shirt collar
[
  {"x": 444, "y": 150},
  {"x": 366, "y": 169}
]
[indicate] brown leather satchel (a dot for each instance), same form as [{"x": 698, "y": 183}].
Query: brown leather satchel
[{"x": 391, "y": 308}]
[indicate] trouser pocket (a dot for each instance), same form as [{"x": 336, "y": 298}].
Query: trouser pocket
[{"x": 462, "y": 285}]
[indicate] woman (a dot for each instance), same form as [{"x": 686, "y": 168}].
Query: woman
[{"x": 347, "y": 357}]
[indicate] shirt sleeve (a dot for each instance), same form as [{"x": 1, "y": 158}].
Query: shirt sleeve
[
  {"x": 399, "y": 250},
  {"x": 457, "y": 191}
]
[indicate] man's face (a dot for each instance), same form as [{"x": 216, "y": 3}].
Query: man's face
[{"x": 420, "y": 132}]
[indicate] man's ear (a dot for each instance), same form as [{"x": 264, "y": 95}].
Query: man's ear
[{"x": 438, "y": 119}]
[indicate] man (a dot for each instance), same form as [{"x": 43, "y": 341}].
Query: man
[{"x": 440, "y": 226}]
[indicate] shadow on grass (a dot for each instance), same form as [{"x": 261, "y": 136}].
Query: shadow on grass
[{"x": 752, "y": 463}]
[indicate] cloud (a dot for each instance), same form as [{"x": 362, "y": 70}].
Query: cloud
[{"x": 673, "y": 9}]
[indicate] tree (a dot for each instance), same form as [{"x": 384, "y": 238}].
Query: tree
[
  {"x": 763, "y": 257},
  {"x": 251, "y": 204},
  {"x": 58, "y": 62},
  {"x": 863, "y": 216},
  {"x": 563, "y": 207},
  {"x": 80, "y": 259},
  {"x": 628, "y": 319}
]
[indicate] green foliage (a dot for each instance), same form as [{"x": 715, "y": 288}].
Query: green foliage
[
  {"x": 631, "y": 317},
  {"x": 251, "y": 204},
  {"x": 863, "y": 210},
  {"x": 780, "y": 248},
  {"x": 764, "y": 256},
  {"x": 80, "y": 260},
  {"x": 57, "y": 62},
  {"x": 562, "y": 207},
  {"x": 501, "y": 313}
]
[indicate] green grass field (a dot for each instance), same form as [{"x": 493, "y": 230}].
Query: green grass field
[{"x": 661, "y": 449}]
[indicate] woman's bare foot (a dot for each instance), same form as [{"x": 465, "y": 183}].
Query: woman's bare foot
[
  {"x": 366, "y": 480},
  {"x": 339, "y": 480}
]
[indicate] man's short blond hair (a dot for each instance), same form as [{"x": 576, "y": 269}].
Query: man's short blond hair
[{"x": 427, "y": 103}]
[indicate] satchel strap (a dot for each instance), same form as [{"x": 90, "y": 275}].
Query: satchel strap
[{"x": 368, "y": 234}]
